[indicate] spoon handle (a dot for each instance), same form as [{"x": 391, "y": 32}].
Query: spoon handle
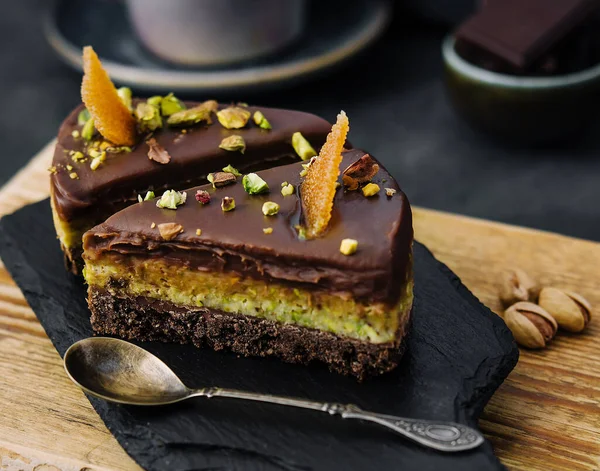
[{"x": 442, "y": 436}]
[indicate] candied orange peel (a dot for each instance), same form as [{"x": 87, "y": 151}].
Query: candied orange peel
[
  {"x": 111, "y": 117},
  {"x": 319, "y": 187}
]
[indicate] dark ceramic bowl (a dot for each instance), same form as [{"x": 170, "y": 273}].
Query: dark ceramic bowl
[{"x": 523, "y": 110}]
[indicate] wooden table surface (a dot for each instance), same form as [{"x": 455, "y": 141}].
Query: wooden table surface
[{"x": 546, "y": 416}]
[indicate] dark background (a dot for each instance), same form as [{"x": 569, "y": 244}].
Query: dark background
[{"x": 395, "y": 98}]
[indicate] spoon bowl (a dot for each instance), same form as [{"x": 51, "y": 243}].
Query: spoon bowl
[{"x": 122, "y": 372}]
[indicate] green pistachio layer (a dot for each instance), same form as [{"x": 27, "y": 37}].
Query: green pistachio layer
[
  {"x": 156, "y": 279},
  {"x": 70, "y": 233}
]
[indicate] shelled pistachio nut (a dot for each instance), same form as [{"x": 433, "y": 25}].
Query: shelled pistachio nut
[
  {"x": 531, "y": 325},
  {"x": 571, "y": 311},
  {"x": 515, "y": 286}
]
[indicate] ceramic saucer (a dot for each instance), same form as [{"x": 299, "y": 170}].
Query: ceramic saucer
[{"x": 337, "y": 30}]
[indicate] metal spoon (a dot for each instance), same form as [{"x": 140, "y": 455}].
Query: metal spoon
[{"x": 119, "y": 371}]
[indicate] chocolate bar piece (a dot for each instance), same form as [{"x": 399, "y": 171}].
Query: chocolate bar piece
[{"x": 519, "y": 32}]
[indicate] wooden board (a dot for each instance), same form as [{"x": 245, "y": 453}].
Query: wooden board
[{"x": 546, "y": 416}]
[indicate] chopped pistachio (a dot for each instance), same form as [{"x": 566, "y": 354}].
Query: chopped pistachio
[
  {"x": 233, "y": 143},
  {"x": 83, "y": 117},
  {"x": 170, "y": 230},
  {"x": 232, "y": 170},
  {"x": 227, "y": 204},
  {"x": 126, "y": 97},
  {"x": 350, "y": 184},
  {"x": 69, "y": 167},
  {"x": 370, "y": 189},
  {"x": 95, "y": 163},
  {"x": 283, "y": 184},
  {"x": 268, "y": 230},
  {"x": 75, "y": 134},
  {"x": 104, "y": 145},
  {"x": 203, "y": 196},
  {"x": 306, "y": 166},
  {"x": 98, "y": 156},
  {"x": 348, "y": 246},
  {"x": 302, "y": 146},
  {"x": 53, "y": 170},
  {"x": 171, "y": 105},
  {"x": 153, "y": 225},
  {"x": 301, "y": 232},
  {"x": 148, "y": 117},
  {"x": 287, "y": 190},
  {"x": 260, "y": 120},
  {"x": 77, "y": 156},
  {"x": 390, "y": 192},
  {"x": 88, "y": 130},
  {"x": 149, "y": 195},
  {"x": 118, "y": 149},
  {"x": 155, "y": 100},
  {"x": 254, "y": 185},
  {"x": 243, "y": 103},
  {"x": 73, "y": 176},
  {"x": 233, "y": 117},
  {"x": 221, "y": 179},
  {"x": 270, "y": 208},
  {"x": 170, "y": 199},
  {"x": 191, "y": 116},
  {"x": 198, "y": 232},
  {"x": 211, "y": 105}
]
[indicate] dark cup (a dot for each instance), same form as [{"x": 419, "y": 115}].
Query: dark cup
[{"x": 523, "y": 110}]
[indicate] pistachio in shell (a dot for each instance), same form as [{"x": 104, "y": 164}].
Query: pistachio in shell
[
  {"x": 530, "y": 324},
  {"x": 571, "y": 310},
  {"x": 516, "y": 286}
]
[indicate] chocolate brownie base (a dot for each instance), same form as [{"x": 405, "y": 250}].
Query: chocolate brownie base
[
  {"x": 73, "y": 259},
  {"x": 152, "y": 320}
]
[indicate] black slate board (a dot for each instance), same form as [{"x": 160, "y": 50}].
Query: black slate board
[{"x": 458, "y": 353}]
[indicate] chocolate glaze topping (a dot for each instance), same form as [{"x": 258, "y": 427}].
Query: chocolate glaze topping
[
  {"x": 117, "y": 183},
  {"x": 234, "y": 241}
]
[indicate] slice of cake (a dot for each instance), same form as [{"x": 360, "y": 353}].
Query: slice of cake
[
  {"x": 161, "y": 143},
  {"x": 232, "y": 268}
]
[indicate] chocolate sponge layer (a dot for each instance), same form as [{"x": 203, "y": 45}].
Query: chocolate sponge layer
[{"x": 151, "y": 320}]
